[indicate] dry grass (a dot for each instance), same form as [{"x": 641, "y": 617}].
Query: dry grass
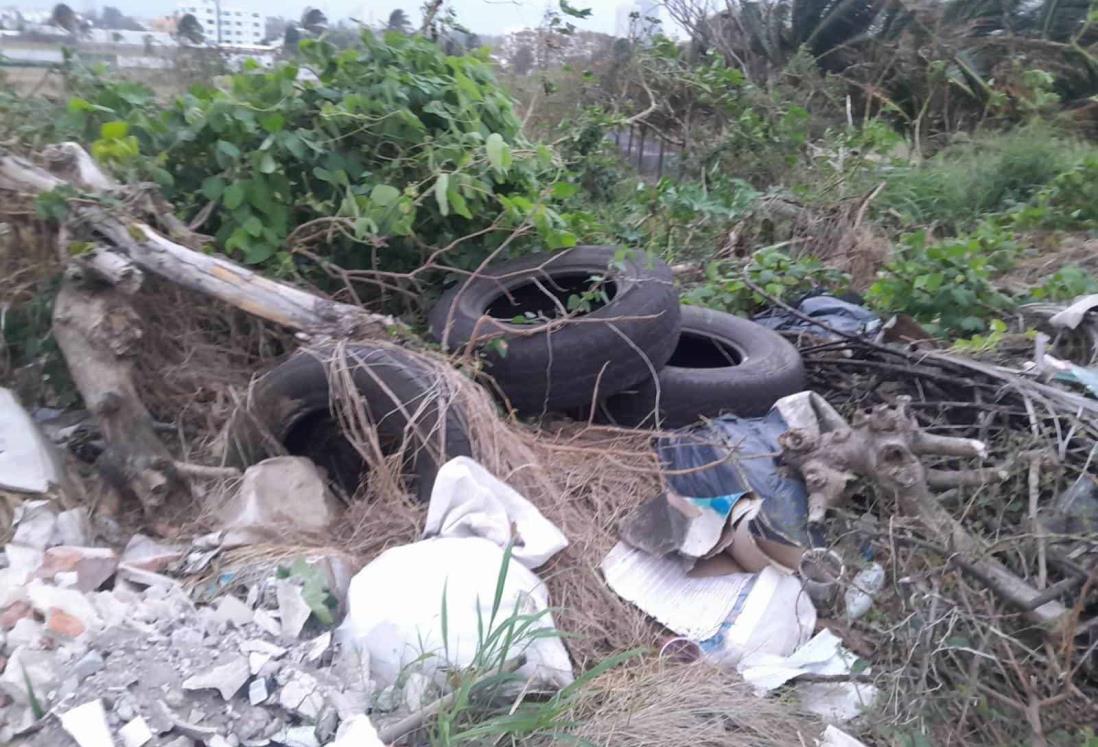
[{"x": 659, "y": 702}]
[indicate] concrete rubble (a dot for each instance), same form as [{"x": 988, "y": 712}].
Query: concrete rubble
[{"x": 104, "y": 645}]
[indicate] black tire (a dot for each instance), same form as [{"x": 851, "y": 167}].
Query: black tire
[
  {"x": 723, "y": 364},
  {"x": 290, "y": 411},
  {"x": 562, "y": 368}
]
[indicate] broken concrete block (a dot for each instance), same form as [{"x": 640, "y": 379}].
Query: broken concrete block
[
  {"x": 300, "y": 694},
  {"x": 266, "y": 622},
  {"x": 316, "y": 647},
  {"x": 92, "y": 565},
  {"x": 39, "y": 667},
  {"x": 136, "y": 733},
  {"x": 23, "y": 561},
  {"x": 227, "y": 679},
  {"x": 232, "y": 610},
  {"x": 257, "y": 691},
  {"x": 293, "y": 610},
  {"x": 29, "y": 463},
  {"x": 13, "y": 613},
  {"x": 88, "y": 665},
  {"x": 285, "y": 491},
  {"x": 260, "y": 646},
  {"x": 299, "y": 736},
  {"x": 61, "y": 623},
  {"x": 87, "y": 724},
  {"x": 357, "y": 731},
  {"x": 45, "y": 598},
  {"x": 26, "y": 632},
  {"x": 256, "y": 661},
  {"x": 72, "y": 528},
  {"x": 146, "y": 554},
  {"x": 34, "y": 523}
]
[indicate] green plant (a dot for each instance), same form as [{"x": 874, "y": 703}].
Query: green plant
[
  {"x": 314, "y": 589},
  {"x": 1070, "y": 201},
  {"x": 947, "y": 286},
  {"x": 482, "y": 708},
  {"x": 779, "y": 275},
  {"x": 1065, "y": 284},
  {"x": 990, "y": 174}
]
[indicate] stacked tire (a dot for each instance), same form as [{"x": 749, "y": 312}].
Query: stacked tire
[
  {"x": 590, "y": 329},
  {"x": 636, "y": 355}
]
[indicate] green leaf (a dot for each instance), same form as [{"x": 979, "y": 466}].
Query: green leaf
[
  {"x": 234, "y": 196},
  {"x": 384, "y": 195},
  {"x": 213, "y": 187},
  {"x": 256, "y": 253},
  {"x": 564, "y": 190},
  {"x": 114, "y": 130},
  {"x": 459, "y": 204},
  {"x": 228, "y": 149},
  {"x": 272, "y": 122},
  {"x": 253, "y": 225},
  {"x": 442, "y": 185},
  {"x": 267, "y": 164},
  {"x": 499, "y": 155}
]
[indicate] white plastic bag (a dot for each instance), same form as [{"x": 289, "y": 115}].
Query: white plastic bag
[
  {"x": 468, "y": 501},
  {"x": 395, "y": 609}
]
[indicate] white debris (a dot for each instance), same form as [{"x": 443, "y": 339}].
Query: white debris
[
  {"x": 37, "y": 667},
  {"x": 227, "y": 679},
  {"x": 44, "y": 598},
  {"x": 26, "y": 632},
  {"x": 292, "y": 609},
  {"x": 136, "y": 733},
  {"x": 279, "y": 492},
  {"x": 357, "y": 731},
  {"x": 29, "y": 463},
  {"x": 260, "y": 646},
  {"x": 266, "y": 622},
  {"x": 88, "y": 665},
  {"x": 256, "y": 661},
  {"x": 87, "y": 724},
  {"x": 469, "y": 501},
  {"x": 92, "y": 565},
  {"x": 318, "y": 646},
  {"x": 299, "y": 694},
  {"x": 299, "y": 736},
  {"x": 72, "y": 528},
  {"x": 146, "y": 554},
  {"x": 257, "y": 691},
  {"x": 34, "y": 522},
  {"x": 232, "y": 610}
]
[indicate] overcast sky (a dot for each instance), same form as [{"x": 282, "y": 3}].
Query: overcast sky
[{"x": 481, "y": 16}]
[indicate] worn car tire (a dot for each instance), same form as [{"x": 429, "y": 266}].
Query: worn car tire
[
  {"x": 607, "y": 349},
  {"x": 699, "y": 380},
  {"x": 290, "y": 409}
]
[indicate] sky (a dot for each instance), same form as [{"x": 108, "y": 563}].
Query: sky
[{"x": 480, "y": 16}]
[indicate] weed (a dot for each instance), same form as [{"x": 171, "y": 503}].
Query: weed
[
  {"x": 781, "y": 276},
  {"x": 947, "y": 286},
  {"x": 1065, "y": 284}
]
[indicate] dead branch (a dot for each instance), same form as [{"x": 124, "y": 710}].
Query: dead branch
[{"x": 884, "y": 444}]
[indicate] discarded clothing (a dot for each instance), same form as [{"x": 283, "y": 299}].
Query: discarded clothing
[{"x": 841, "y": 316}]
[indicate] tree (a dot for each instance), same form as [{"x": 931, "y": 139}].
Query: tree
[
  {"x": 314, "y": 21},
  {"x": 112, "y": 18},
  {"x": 291, "y": 37},
  {"x": 274, "y": 28},
  {"x": 190, "y": 30},
  {"x": 398, "y": 21},
  {"x": 65, "y": 17},
  {"x": 522, "y": 61}
]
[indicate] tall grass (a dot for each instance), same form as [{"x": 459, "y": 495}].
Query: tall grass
[{"x": 990, "y": 173}]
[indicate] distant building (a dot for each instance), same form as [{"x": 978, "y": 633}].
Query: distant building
[{"x": 225, "y": 25}]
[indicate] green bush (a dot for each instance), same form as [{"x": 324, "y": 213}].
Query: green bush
[
  {"x": 1069, "y": 202},
  {"x": 946, "y": 286},
  {"x": 780, "y": 276},
  {"x": 1065, "y": 284},
  {"x": 990, "y": 174}
]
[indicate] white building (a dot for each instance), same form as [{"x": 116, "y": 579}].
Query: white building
[{"x": 225, "y": 25}]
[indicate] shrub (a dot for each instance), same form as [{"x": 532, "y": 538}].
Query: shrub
[
  {"x": 780, "y": 276},
  {"x": 987, "y": 175},
  {"x": 1070, "y": 201},
  {"x": 946, "y": 286}
]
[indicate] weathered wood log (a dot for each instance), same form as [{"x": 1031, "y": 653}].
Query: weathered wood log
[
  {"x": 97, "y": 330},
  {"x": 206, "y": 273},
  {"x": 884, "y": 445}
]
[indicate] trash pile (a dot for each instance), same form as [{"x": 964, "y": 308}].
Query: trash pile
[{"x": 376, "y": 540}]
